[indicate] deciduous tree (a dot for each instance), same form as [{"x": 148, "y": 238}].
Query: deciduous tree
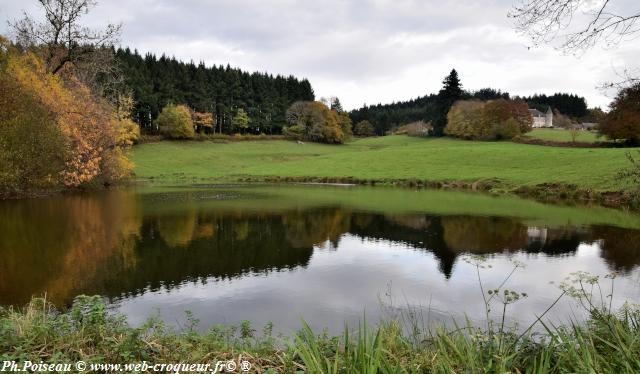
[
  {"x": 495, "y": 119},
  {"x": 61, "y": 37},
  {"x": 464, "y": 120},
  {"x": 623, "y": 120},
  {"x": 87, "y": 124},
  {"x": 345, "y": 125},
  {"x": 314, "y": 121},
  {"x": 203, "y": 121},
  {"x": 241, "y": 121},
  {"x": 175, "y": 122}
]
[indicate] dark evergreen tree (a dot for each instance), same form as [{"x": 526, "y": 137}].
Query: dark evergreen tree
[
  {"x": 336, "y": 105},
  {"x": 219, "y": 90},
  {"x": 568, "y": 104},
  {"x": 450, "y": 93},
  {"x": 486, "y": 94}
]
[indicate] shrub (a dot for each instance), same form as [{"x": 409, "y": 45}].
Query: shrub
[
  {"x": 175, "y": 122},
  {"x": 294, "y": 131},
  {"x": 364, "y": 128},
  {"x": 128, "y": 132},
  {"x": 418, "y": 128}
]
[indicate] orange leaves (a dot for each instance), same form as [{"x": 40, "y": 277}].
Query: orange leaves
[
  {"x": 202, "y": 119},
  {"x": 85, "y": 121}
]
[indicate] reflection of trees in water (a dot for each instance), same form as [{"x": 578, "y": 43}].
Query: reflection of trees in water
[
  {"x": 115, "y": 244},
  {"x": 178, "y": 229},
  {"x": 418, "y": 231},
  {"x": 239, "y": 244},
  {"x": 312, "y": 227},
  {"x": 620, "y": 247},
  {"x": 448, "y": 236},
  {"x": 53, "y": 245},
  {"x": 483, "y": 234},
  {"x": 556, "y": 241},
  {"x": 99, "y": 244}
]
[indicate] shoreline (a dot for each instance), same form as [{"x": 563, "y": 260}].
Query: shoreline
[
  {"x": 545, "y": 192},
  {"x": 557, "y": 193}
]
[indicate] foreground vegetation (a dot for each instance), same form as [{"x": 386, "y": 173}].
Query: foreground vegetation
[
  {"x": 607, "y": 343},
  {"x": 509, "y": 165}
]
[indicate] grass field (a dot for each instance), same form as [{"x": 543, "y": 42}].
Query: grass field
[
  {"x": 560, "y": 135},
  {"x": 391, "y": 157}
]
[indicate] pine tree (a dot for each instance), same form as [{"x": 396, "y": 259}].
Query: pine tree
[
  {"x": 450, "y": 93},
  {"x": 336, "y": 105},
  {"x": 219, "y": 90}
]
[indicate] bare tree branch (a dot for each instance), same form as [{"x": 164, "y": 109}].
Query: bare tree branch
[
  {"x": 61, "y": 37},
  {"x": 547, "y": 20}
]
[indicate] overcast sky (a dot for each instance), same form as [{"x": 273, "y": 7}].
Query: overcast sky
[{"x": 361, "y": 51}]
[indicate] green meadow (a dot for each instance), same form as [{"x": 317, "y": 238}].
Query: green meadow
[
  {"x": 561, "y": 135},
  {"x": 382, "y": 158}
]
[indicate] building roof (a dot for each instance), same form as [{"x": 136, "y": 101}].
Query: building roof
[{"x": 536, "y": 113}]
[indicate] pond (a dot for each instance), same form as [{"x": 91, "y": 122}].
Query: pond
[{"x": 329, "y": 254}]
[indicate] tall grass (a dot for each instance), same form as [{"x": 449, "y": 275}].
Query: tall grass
[{"x": 608, "y": 342}]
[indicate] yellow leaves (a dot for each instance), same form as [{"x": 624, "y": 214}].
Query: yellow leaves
[
  {"x": 175, "y": 122},
  {"x": 316, "y": 122},
  {"x": 128, "y": 132},
  {"x": 93, "y": 129}
]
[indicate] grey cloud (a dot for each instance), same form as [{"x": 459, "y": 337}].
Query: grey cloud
[{"x": 362, "y": 50}]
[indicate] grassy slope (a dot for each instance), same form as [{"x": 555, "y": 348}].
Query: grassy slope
[
  {"x": 559, "y": 135},
  {"x": 392, "y": 157}
]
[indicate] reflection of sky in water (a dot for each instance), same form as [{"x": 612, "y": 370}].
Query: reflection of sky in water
[{"x": 342, "y": 284}]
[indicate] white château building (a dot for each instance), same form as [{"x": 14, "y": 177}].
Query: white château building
[{"x": 542, "y": 119}]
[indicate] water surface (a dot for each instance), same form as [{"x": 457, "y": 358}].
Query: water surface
[{"x": 329, "y": 255}]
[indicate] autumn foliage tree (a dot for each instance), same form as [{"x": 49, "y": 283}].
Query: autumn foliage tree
[
  {"x": 203, "y": 121},
  {"x": 314, "y": 121},
  {"x": 78, "y": 128},
  {"x": 495, "y": 119},
  {"x": 623, "y": 120},
  {"x": 464, "y": 120},
  {"x": 128, "y": 131},
  {"x": 175, "y": 122},
  {"x": 32, "y": 147}
]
